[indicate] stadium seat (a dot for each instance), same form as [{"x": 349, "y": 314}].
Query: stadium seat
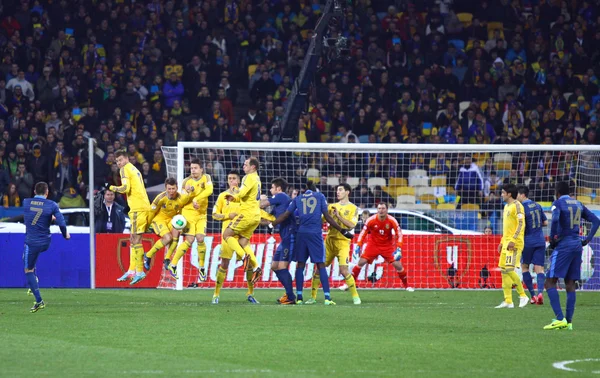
[
  {"x": 503, "y": 161},
  {"x": 492, "y": 26},
  {"x": 353, "y": 181},
  {"x": 252, "y": 70},
  {"x": 438, "y": 181},
  {"x": 417, "y": 173},
  {"x": 421, "y": 206},
  {"x": 446, "y": 206},
  {"x": 333, "y": 181},
  {"x": 418, "y": 181},
  {"x": 405, "y": 190},
  {"x": 313, "y": 175},
  {"x": 376, "y": 181},
  {"x": 427, "y": 198},
  {"x": 596, "y": 200},
  {"x": 465, "y": 18},
  {"x": 586, "y": 200},
  {"x": 470, "y": 206},
  {"x": 450, "y": 190},
  {"x": 398, "y": 181},
  {"x": 423, "y": 190},
  {"x": 582, "y": 191},
  {"x": 406, "y": 199}
]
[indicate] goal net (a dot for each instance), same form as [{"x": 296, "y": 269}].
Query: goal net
[{"x": 446, "y": 199}]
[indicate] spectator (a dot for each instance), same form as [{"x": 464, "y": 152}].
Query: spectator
[
  {"x": 11, "y": 197},
  {"x": 172, "y": 90},
  {"x": 23, "y": 84},
  {"x": 110, "y": 216},
  {"x": 64, "y": 177},
  {"x": 24, "y": 181},
  {"x": 469, "y": 184}
]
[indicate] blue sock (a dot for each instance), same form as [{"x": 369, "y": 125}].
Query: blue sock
[
  {"x": 286, "y": 280},
  {"x": 555, "y": 302},
  {"x": 571, "y": 299},
  {"x": 528, "y": 282},
  {"x": 541, "y": 278},
  {"x": 299, "y": 282},
  {"x": 33, "y": 285},
  {"x": 325, "y": 282}
]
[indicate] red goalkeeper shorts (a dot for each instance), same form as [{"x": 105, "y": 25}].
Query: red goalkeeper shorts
[{"x": 372, "y": 251}]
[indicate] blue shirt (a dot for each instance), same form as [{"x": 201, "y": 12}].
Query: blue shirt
[
  {"x": 567, "y": 213},
  {"x": 310, "y": 205},
  {"x": 534, "y": 224},
  {"x": 38, "y": 217},
  {"x": 280, "y": 203}
]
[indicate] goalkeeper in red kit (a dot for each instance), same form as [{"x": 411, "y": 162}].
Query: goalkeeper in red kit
[{"x": 385, "y": 240}]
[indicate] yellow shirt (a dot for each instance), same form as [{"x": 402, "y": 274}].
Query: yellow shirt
[
  {"x": 223, "y": 208},
  {"x": 203, "y": 188},
  {"x": 249, "y": 195},
  {"x": 132, "y": 185},
  {"x": 514, "y": 224},
  {"x": 165, "y": 208},
  {"x": 348, "y": 212}
]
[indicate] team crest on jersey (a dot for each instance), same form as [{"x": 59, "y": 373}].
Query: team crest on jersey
[
  {"x": 387, "y": 226},
  {"x": 346, "y": 212}
]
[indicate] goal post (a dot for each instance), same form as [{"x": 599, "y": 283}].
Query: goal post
[{"x": 445, "y": 198}]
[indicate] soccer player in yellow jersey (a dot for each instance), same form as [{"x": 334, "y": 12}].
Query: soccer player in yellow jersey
[
  {"x": 132, "y": 185},
  {"x": 199, "y": 186},
  {"x": 345, "y": 214},
  {"x": 225, "y": 211},
  {"x": 164, "y": 207},
  {"x": 238, "y": 233},
  {"x": 511, "y": 246}
]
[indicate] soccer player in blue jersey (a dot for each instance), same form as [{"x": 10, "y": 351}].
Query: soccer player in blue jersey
[
  {"x": 565, "y": 261},
  {"x": 535, "y": 244},
  {"x": 39, "y": 212},
  {"x": 287, "y": 230},
  {"x": 311, "y": 205}
]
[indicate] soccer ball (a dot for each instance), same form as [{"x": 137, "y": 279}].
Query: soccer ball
[{"x": 179, "y": 222}]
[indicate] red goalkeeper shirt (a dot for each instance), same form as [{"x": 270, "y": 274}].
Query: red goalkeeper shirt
[{"x": 383, "y": 233}]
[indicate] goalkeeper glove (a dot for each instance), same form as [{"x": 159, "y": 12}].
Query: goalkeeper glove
[
  {"x": 398, "y": 254},
  {"x": 348, "y": 234},
  {"x": 356, "y": 252}
]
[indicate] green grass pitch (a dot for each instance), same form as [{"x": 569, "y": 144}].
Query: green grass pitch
[{"x": 118, "y": 333}]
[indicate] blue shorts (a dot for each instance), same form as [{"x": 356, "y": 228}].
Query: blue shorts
[
  {"x": 534, "y": 255},
  {"x": 565, "y": 262},
  {"x": 309, "y": 245},
  {"x": 31, "y": 254},
  {"x": 285, "y": 249}
]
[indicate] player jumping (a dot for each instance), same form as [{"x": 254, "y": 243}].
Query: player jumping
[
  {"x": 336, "y": 245},
  {"x": 385, "y": 240},
  {"x": 511, "y": 246},
  {"x": 199, "y": 186},
  {"x": 132, "y": 185},
  {"x": 38, "y": 215},
  {"x": 309, "y": 239},
  {"x": 164, "y": 207},
  {"x": 535, "y": 244},
  {"x": 565, "y": 261}
]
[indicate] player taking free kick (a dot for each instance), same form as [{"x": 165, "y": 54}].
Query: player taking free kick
[
  {"x": 132, "y": 185},
  {"x": 511, "y": 246},
  {"x": 385, "y": 240},
  {"x": 336, "y": 245}
]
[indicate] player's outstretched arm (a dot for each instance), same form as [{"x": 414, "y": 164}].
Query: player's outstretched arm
[
  {"x": 592, "y": 218},
  {"x": 282, "y": 218}
]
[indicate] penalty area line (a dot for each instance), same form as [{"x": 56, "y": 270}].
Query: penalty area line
[{"x": 563, "y": 365}]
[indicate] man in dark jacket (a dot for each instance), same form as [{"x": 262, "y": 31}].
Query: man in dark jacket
[
  {"x": 110, "y": 217},
  {"x": 38, "y": 164}
]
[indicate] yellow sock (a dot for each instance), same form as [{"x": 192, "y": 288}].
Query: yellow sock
[
  {"x": 131, "y": 258},
  {"x": 219, "y": 282},
  {"x": 201, "y": 254},
  {"x": 183, "y": 247},
  {"x": 316, "y": 282},
  {"x": 172, "y": 248},
  {"x": 249, "y": 281},
  {"x": 155, "y": 248},
  {"x": 517, "y": 281},
  {"x": 251, "y": 256},
  {"x": 507, "y": 287},
  {"x": 139, "y": 257},
  {"x": 234, "y": 244},
  {"x": 351, "y": 285}
]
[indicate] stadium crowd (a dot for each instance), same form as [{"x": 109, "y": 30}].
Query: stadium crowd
[{"x": 145, "y": 74}]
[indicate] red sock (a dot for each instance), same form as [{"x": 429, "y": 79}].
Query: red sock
[
  {"x": 402, "y": 276},
  {"x": 356, "y": 271}
]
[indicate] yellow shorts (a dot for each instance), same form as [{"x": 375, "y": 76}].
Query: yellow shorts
[
  {"x": 139, "y": 221},
  {"x": 161, "y": 227},
  {"x": 244, "y": 225},
  {"x": 337, "y": 248},
  {"x": 509, "y": 259},
  {"x": 196, "y": 226}
]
